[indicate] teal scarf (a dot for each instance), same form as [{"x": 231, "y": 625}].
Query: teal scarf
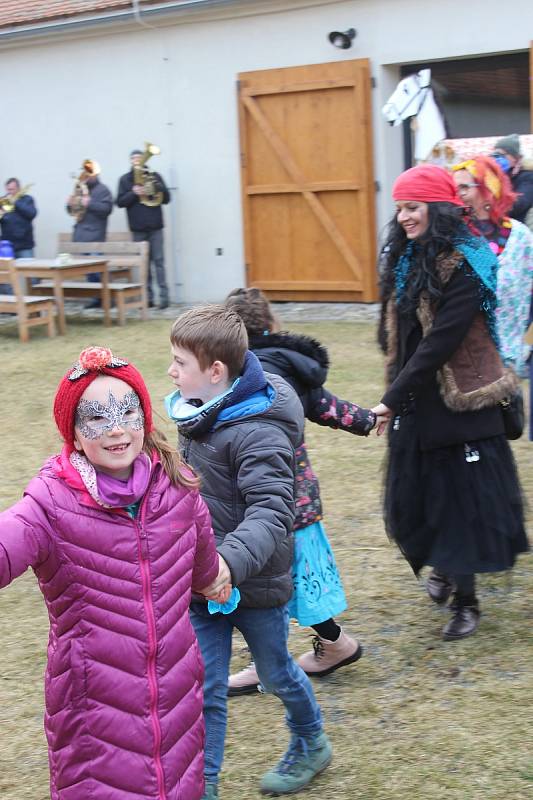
[{"x": 484, "y": 266}]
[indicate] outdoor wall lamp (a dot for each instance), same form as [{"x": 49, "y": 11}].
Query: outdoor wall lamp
[{"x": 342, "y": 39}]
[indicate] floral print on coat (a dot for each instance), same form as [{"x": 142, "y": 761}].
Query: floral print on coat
[{"x": 514, "y": 290}]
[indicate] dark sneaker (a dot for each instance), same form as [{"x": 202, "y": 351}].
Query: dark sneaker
[
  {"x": 463, "y": 623},
  {"x": 163, "y": 304},
  {"x": 439, "y": 587},
  {"x": 211, "y": 792},
  {"x": 304, "y": 760}
]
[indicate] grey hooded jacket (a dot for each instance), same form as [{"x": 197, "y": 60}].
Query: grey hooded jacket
[
  {"x": 93, "y": 225},
  {"x": 246, "y": 468}
]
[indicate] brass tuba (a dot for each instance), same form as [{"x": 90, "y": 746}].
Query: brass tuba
[
  {"x": 89, "y": 169},
  {"x": 143, "y": 177},
  {"x": 7, "y": 202}
]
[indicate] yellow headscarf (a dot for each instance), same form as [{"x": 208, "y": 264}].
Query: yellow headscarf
[{"x": 490, "y": 179}]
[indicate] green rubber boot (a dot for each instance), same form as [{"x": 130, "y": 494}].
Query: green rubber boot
[{"x": 211, "y": 792}]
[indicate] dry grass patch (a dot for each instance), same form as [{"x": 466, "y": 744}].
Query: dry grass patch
[{"x": 415, "y": 719}]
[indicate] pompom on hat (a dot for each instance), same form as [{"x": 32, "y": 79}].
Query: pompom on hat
[
  {"x": 92, "y": 362},
  {"x": 426, "y": 183}
]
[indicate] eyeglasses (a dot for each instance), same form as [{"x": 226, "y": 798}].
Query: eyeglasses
[{"x": 464, "y": 187}]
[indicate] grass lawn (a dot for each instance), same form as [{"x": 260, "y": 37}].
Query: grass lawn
[{"x": 415, "y": 719}]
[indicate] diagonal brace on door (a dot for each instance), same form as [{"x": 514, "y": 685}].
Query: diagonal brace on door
[{"x": 285, "y": 156}]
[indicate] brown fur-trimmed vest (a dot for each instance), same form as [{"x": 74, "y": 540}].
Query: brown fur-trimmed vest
[{"x": 475, "y": 376}]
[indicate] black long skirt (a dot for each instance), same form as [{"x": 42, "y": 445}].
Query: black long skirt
[{"x": 459, "y": 508}]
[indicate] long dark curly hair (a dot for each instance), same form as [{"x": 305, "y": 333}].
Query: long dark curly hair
[{"x": 447, "y": 225}]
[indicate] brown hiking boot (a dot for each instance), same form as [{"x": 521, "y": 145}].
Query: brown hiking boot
[{"x": 327, "y": 656}]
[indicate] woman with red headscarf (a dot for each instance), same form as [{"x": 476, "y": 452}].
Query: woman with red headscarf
[
  {"x": 486, "y": 190},
  {"x": 452, "y": 497}
]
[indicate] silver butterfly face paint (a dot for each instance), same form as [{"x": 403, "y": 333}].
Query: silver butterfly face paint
[{"x": 94, "y": 419}]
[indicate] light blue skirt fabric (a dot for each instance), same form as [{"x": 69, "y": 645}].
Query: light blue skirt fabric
[{"x": 318, "y": 593}]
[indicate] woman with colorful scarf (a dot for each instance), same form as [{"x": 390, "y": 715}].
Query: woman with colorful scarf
[
  {"x": 486, "y": 190},
  {"x": 452, "y": 496}
]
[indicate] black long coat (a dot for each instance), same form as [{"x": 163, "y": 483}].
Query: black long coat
[{"x": 414, "y": 377}]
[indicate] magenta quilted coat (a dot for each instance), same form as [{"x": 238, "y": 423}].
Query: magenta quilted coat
[{"x": 123, "y": 688}]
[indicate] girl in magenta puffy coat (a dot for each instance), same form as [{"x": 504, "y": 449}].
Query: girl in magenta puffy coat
[{"x": 117, "y": 535}]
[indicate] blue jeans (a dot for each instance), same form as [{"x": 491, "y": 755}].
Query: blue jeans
[
  {"x": 93, "y": 277},
  {"x": 266, "y": 632}
]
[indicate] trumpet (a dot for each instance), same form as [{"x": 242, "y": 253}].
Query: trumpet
[
  {"x": 7, "y": 202},
  {"x": 89, "y": 169},
  {"x": 143, "y": 177}
]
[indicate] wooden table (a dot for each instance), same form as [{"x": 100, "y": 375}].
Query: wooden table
[{"x": 51, "y": 269}]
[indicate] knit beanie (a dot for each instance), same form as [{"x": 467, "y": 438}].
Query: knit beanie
[
  {"x": 426, "y": 183},
  {"x": 92, "y": 362},
  {"x": 509, "y": 144}
]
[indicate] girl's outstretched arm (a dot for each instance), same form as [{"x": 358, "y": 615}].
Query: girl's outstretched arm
[
  {"x": 24, "y": 539},
  {"x": 329, "y": 410}
]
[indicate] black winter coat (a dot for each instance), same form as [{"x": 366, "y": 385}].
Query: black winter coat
[
  {"x": 303, "y": 362},
  {"x": 523, "y": 185},
  {"x": 141, "y": 217},
  {"x": 414, "y": 374},
  {"x": 17, "y": 226}
]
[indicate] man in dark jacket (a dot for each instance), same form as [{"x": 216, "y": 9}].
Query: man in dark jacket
[
  {"x": 91, "y": 224},
  {"x": 146, "y": 223},
  {"x": 17, "y": 225},
  {"x": 508, "y": 155},
  {"x": 91, "y": 218},
  {"x": 238, "y": 427}
]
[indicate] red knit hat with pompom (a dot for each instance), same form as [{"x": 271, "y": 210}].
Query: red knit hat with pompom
[{"x": 92, "y": 362}]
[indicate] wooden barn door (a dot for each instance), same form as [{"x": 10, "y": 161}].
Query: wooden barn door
[{"x": 307, "y": 182}]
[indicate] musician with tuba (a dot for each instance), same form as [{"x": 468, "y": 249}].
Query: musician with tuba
[
  {"x": 142, "y": 193},
  {"x": 90, "y": 204},
  {"x": 17, "y": 212}
]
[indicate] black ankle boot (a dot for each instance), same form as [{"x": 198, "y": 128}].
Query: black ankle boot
[
  {"x": 439, "y": 587},
  {"x": 464, "y": 621}
]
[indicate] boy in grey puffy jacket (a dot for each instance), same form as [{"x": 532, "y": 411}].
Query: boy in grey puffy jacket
[{"x": 238, "y": 427}]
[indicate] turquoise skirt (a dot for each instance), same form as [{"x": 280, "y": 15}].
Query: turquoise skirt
[{"x": 318, "y": 593}]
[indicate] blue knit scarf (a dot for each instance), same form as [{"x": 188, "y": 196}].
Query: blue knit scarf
[{"x": 483, "y": 262}]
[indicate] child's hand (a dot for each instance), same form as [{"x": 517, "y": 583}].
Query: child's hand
[
  {"x": 223, "y": 596},
  {"x": 219, "y": 584},
  {"x": 383, "y": 414}
]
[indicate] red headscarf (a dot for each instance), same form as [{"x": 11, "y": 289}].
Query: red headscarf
[
  {"x": 92, "y": 362},
  {"x": 426, "y": 183}
]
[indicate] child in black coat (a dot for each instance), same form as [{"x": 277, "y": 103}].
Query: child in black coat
[{"x": 318, "y": 593}]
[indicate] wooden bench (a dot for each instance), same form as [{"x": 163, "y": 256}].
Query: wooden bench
[
  {"x": 29, "y": 309},
  {"x": 125, "y": 259},
  {"x": 128, "y": 271},
  {"x": 125, "y": 296},
  {"x": 115, "y": 236}
]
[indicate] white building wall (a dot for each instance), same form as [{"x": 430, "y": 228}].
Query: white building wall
[{"x": 102, "y": 92}]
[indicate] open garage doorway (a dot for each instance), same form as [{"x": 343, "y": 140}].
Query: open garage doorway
[{"x": 482, "y": 96}]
